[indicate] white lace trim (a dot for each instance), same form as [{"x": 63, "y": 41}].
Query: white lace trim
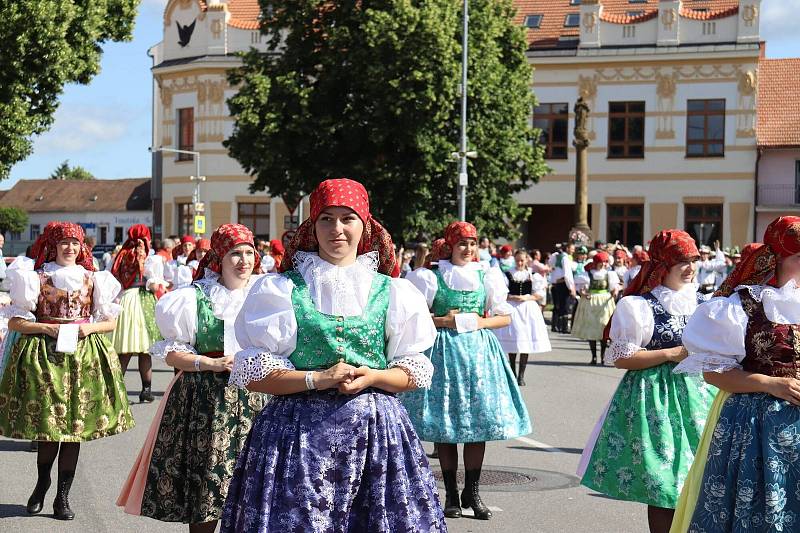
[
  {"x": 342, "y": 285},
  {"x": 621, "y": 350},
  {"x": 106, "y": 311},
  {"x": 696, "y": 364},
  {"x": 254, "y": 364},
  {"x": 419, "y": 368},
  {"x": 678, "y": 303},
  {"x": 225, "y": 303},
  {"x": 781, "y": 305},
  {"x": 160, "y": 349}
]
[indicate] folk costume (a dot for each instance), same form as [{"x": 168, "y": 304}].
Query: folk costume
[
  {"x": 753, "y": 470},
  {"x": 527, "y": 333},
  {"x": 319, "y": 460},
  {"x": 184, "y": 468},
  {"x": 474, "y": 396},
  {"x": 142, "y": 276},
  {"x": 65, "y": 390},
  {"x": 652, "y": 426},
  {"x": 562, "y": 285},
  {"x": 596, "y": 305}
]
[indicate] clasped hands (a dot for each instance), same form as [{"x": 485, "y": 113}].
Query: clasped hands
[{"x": 348, "y": 379}]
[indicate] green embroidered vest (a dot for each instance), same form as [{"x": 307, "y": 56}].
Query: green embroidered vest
[
  {"x": 465, "y": 301},
  {"x": 323, "y": 340},
  {"x": 210, "y": 337},
  {"x": 598, "y": 285}
]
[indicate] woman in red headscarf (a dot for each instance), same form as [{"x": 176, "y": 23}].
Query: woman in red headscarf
[
  {"x": 184, "y": 468},
  {"x": 63, "y": 384},
  {"x": 596, "y": 305},
  {"x": 745, "y": 342},
  {"x": 474, "y": 396},
  {"x": 142, "y": 277},
  {"x": 333, "y": 339},
  {"x": 652, "y": 427}
]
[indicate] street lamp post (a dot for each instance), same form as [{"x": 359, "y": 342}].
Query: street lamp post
[
  {"x": 197, "y": 178},
  {"x": 462, "y": 153}
]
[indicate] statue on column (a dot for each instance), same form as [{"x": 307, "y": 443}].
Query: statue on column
[{"x": 581, "y": 233}]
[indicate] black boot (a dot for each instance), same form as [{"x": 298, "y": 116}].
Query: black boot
[
  {"x": 451, "y": 507},
  {"x": 146, "y": 395},
  {"x": 471, "y": 497},
  {"x": 523, "y": 364},
  {"x": 61, "y": 503},
  {"x": 36, "y": 500}
]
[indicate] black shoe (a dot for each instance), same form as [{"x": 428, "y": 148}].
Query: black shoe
[
  {"x": 521, "y": 381},
  {"x": 452, "y": 509},
  {"x": 593, "y": 361},
  {"x": 435, "y": 453},
  {"x": 471, "y": 497},
  {"x": 36, "y": 500},
  {"x": 146, "y": 395},
  {"x": 61, "y": 508},
  {"x": 34, "y": 446}
]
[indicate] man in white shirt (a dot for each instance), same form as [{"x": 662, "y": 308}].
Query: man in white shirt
[
  {"x": 563, "y": 286},
  {"x": 710, "y": 272}
]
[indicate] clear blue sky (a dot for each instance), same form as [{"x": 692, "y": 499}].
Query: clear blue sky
[{"x": 105, "y": 126}]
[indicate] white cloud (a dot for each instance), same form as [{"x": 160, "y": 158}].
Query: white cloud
[
  {"x": 779, "y": 19},
  {"x": 78, "y": 128}
]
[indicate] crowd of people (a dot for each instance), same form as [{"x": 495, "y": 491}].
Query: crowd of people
[{"x": 308, "y": 375}]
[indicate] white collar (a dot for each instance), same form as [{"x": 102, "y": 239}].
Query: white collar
[
  {"x": 337, "y": 290},
  {"x": 225, "y": 302},
  {"x": 781, "y": 304},
  {"x": 54, "y": 267},
  {"x": 679, "y": 303},
  {"x": 446, "y": 265}
]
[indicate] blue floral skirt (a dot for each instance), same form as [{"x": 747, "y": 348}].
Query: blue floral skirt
[
  {"x": 752, "y": 477},
  {"x": 474, "y": 396},
  {"x": 326, "y": 462}
]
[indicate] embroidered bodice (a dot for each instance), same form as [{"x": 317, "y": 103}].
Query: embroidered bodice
[
  {"x": 210, "y": 336},
  {"x": 519, "y": 288},
  {"x": 65, "y": 305},
  {"x": 667, "y": 328},
  {"x": 463, "y": 300},
  {"x": 770, "y": 348}
]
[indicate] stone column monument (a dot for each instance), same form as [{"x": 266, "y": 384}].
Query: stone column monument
[{"x": 580, "y": 224}]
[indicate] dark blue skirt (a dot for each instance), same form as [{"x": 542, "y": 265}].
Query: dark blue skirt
[
  {"x": 325, "y": 462},
  {"x": 751, "y": 481}
]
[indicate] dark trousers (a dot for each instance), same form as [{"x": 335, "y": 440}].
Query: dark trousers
[{"x": 560, "y": 306}]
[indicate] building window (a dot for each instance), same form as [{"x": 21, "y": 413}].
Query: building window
[
  {"x": 186, "y": 132},
  {"x": 574, "y": 2},
  {"x": 637, "y": 1},
  {"x": 625, "y": 224},
  {"x": 704, "y": 222},
  {"x": 35, "y": 231},
  {"x": 15, "y": 235},
  {"x": 118, "y": 234},
  {"x": 705, "y": 128},
  {"x": 256, "y": 217},
  {"x": 185, "y": 219},
  {"x": 553, "y": 121},
  {"x": 572, "y": 20},
  {"x": 637, "y": 13},
  {"x": 533, "y": 21},
  {"x": 625, "y": 130}
]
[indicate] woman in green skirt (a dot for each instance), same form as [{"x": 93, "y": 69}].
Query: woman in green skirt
[
  {"x": 653, "y": 424},
  {"x": 184, "y": 468},
  {"x": 62, "y": 384}
]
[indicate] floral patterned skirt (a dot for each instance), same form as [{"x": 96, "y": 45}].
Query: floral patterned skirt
[
  {"x": 652, "y": 428},
  {"x": 752, "y": 476},
  {"x": 202, "y": 431},
  {"x": 592, "y": 315},
  {"x": 136, "y": 327},
  {"x": 63, "y": 397},
  {"x": 473, "y": 397},
  {"x": 324, "y": 462}
]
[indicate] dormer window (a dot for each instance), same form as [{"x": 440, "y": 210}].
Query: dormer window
[
  {"x": 533, "y": 21},
  {"x": 574, "y": 2},
  {"x": 637, "y": 1},
  {"x": 572, "y": 20}
]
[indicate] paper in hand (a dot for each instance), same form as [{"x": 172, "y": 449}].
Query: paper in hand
[{"x": 67, "y": 341}]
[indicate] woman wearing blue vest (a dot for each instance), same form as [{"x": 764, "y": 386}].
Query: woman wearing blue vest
[
  {"x": 474, "y": 396},
  {"x": 334, "y": 338}
]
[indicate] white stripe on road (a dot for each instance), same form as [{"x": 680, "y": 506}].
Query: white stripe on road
[
  {"x": 542, "y": 445},
  {"x": 469, "y": 512}
]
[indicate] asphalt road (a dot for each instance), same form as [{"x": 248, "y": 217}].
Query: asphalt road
[{"x": 537, "y": 490}]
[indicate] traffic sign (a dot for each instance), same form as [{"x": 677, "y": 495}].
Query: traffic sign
[{"x": 200, "y": 224}]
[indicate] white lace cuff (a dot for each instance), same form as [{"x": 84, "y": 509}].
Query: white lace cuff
[
  {"x": 108, "y": 311},
  {"x": 419, "y": 368},
  {"x": 15, "y": 311},
  {"x": 160, "y": 349},
  {"x": 621, "y": 350},
  {"x": 151, "y": 282},
  {"x": 697, "y": 363},
  {"x": 254, "y": 364}
]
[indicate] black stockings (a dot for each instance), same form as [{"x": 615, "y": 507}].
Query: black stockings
[
  {"x": 473, "y": 456},
  {"x": 659, "y": 519},
  {"x": 67, "y": 455},
  {"x": 145, "y": 366},
  {"x": 593, "y": 348},
  {"x": 204, "y": 527}
]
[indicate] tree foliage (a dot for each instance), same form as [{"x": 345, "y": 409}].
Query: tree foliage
[
  {"x": 66, "y": 172},
  {"x": 47, "y": 44},
  {"x": 13, "y": 219},
  {"x": 369, "y": 90}
]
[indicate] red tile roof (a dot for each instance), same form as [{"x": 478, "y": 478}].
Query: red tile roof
[
  {"x": 778, "y": 102},
  {"x": 244, "y": 13},
  {"x": 55, "y": 196},
  {"x": 552, "y": 29}
]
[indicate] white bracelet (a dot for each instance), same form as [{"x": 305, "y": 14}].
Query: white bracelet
[
  {"x": 197, "y": 363},
  {"x": 310, "y": 381}
]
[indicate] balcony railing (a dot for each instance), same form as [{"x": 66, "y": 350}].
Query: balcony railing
[{"x": 769, "y": 194}]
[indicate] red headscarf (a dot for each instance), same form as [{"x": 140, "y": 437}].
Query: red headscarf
[
  {"x": 351, "y": 194},
  {"x": 436, "y": 252},
  {"x": 202, "y": 244},
  {"x": 641, "y": 256},
  {"x": 129, "y": 263},
  {"x": 599, "y": 261},
  {"x": 667, "y": 249},
  {"x": 55, "y": 232},
  {"x": 225, "y": 238},
  {"x": 276, "y": 250},
  {"x": 759, "y": 261},
  {"x": 455, "y": 232}
]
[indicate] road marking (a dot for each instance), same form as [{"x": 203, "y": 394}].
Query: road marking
[
  {"x": 469, "y": 512},
  {"x": 542, "y": 445}
]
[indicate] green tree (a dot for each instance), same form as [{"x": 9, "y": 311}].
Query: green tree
[
  {"x": 47, "y": 44},
  {"x": 13, "y": 219},
  {"x": 369, "y": 90},
  {"x": 66, "y": 172}
]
